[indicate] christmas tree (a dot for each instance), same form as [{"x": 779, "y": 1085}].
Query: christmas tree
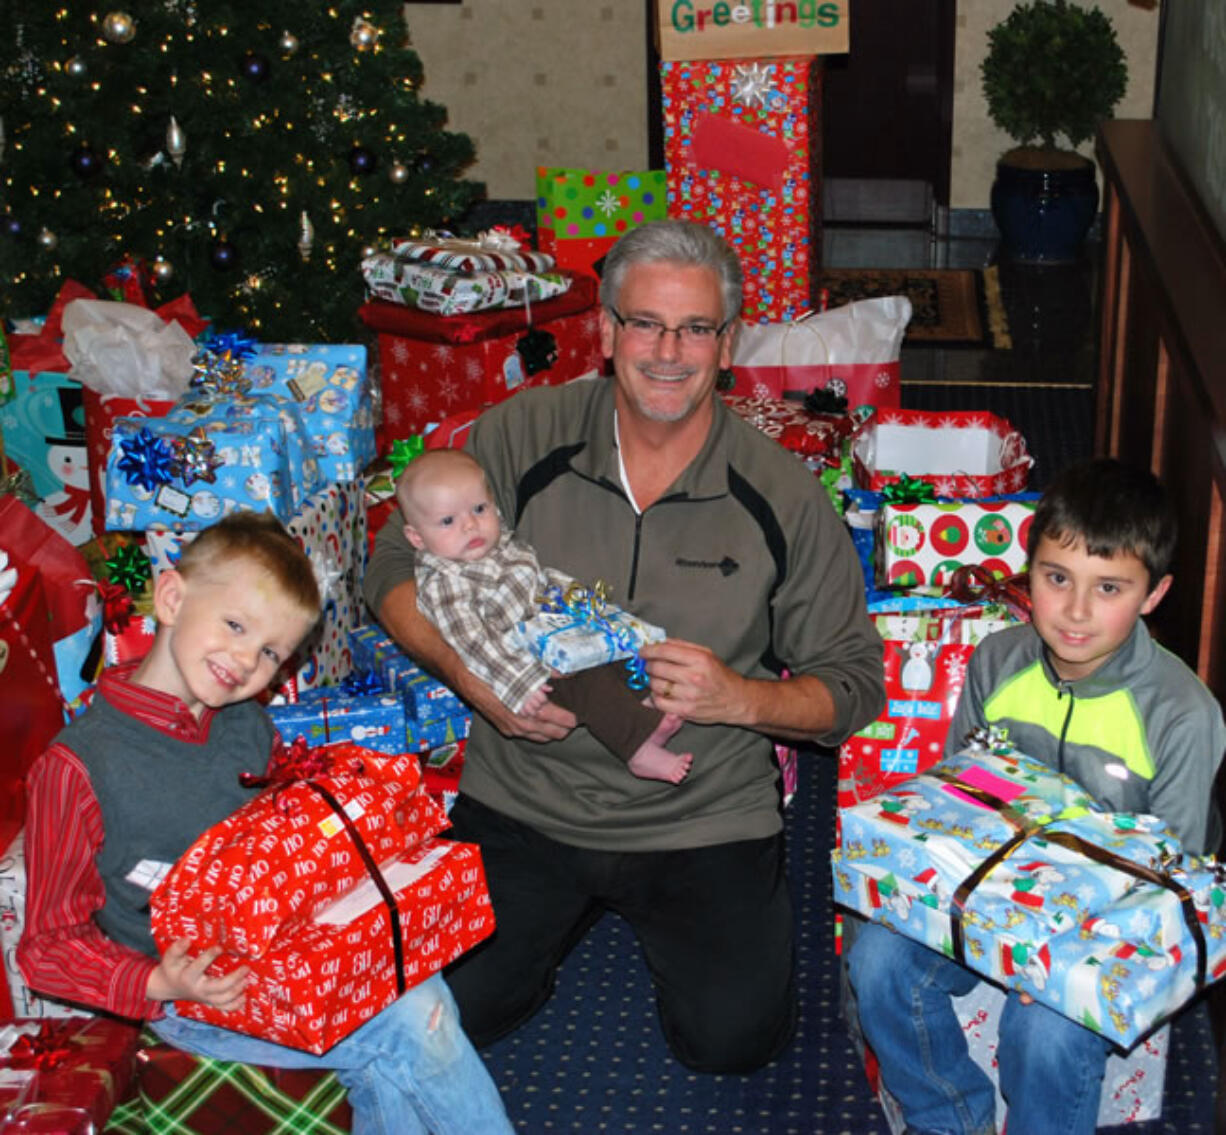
[{"x": 245, "y": 153}]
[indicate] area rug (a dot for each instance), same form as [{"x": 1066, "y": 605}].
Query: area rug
[{"x": 949, "y": 305}]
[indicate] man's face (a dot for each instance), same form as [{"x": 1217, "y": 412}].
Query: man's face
[
  {"x": 1084, "y": 606},
  {"x": 454, "y": 516},
  {"x": 666, "y": 377}
]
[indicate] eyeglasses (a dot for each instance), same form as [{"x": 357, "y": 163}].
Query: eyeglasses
[{"x": 652, "y": 330}]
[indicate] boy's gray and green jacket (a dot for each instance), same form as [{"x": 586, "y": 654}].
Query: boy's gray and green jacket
[{"x": 1142, "y": 733}]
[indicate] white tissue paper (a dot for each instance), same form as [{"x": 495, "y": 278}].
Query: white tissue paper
[{"x": 126, "y": 350}]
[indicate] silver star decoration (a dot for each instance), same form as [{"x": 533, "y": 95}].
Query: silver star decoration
[{"x": 751, "y": 84}]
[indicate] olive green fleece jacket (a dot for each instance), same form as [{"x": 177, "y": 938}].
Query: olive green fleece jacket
[{"x": 743, "y": 554}]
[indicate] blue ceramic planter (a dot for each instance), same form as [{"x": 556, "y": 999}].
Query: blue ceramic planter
[{"x": 1043, "y": 214}]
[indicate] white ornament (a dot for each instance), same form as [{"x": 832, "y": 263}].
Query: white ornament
[{"x": 176, "y": 142}]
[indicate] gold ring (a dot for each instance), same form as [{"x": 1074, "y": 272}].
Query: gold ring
[{"x": 668, "y": 690}]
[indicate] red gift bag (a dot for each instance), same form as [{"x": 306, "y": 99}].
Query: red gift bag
[{"x": 101, "y": 410}]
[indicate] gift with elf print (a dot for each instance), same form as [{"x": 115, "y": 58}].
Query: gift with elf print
[
  {"x": 1006, "y": 866},
  {"x": 921, "y": 544}
]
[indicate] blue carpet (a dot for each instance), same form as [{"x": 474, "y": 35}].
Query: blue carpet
[{"x": 594, "y": 1060}]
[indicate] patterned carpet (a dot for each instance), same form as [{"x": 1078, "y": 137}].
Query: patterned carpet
[
  {"x": 593, "y": 1060},
  {"x": 949, "y": 305}
]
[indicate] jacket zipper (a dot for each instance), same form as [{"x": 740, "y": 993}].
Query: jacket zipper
[
  {"x": 634, "y": 558},
  {"x": 1063, "y": 688}
]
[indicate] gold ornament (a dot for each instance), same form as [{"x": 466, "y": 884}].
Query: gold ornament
[
  {"x": 363, "y": 35},
  {"x": 163, "y": 271},
  {"x": 288, "y": 43},
  {"x": 306, "y": 237},
  {"x": 47, "y": 239},
  {"x": 398, "y": 173},
  {"x": 176, "y": 142},
  {"x": 118, "y": 27}
]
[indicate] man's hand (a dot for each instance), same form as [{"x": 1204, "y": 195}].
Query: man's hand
[
  {"x": 548, "y": 723},
  {"x": 689, "y": 680},
  {"x": 179, "y": 977}
]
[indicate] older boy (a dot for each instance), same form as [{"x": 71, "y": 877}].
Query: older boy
[
  {"x": 476, "y": 582},
  {"x": 1086, "y": 690},
  {"x": 154, "y": 761}
]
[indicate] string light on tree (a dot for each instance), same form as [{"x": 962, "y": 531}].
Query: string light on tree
[
  {"x": 47, "y": 239},
  {"x": 163, "y": 271},
  {"x": 398, "y": 173},
  {"x": 288, "y": 44},
  {"x": 254, "y": 67},
  {"x": 76, "y": 68},
  {"x": 118, "y": 27},
  {"x": 86, "y": 162},
  {"x": 223, "y": 255}
]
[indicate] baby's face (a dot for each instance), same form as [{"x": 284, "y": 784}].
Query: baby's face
[{"x": 454, "y": 516}]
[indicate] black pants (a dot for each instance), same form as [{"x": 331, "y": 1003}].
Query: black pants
[{"x": 714, "y": 923}]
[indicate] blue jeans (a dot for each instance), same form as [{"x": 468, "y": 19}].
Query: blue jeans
[
  {"x": 408, "y": 1071},
  {"x": 1051, "y": 1068}
]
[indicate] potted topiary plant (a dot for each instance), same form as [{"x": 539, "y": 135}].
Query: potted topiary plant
[{"x": 1054, "y": 71}]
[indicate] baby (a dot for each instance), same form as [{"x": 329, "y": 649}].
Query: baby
[{"x": 476, "y": 582}]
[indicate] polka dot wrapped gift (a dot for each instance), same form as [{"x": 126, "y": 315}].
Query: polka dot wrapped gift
[{"x": 580, "y": 213}]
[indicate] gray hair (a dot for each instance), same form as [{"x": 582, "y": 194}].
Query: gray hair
[{"x": 677, "y": 242}]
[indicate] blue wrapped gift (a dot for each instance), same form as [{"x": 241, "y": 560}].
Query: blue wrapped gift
[
  {"x": 329, "y": 386},
  {"x": 579, "y": 629},
  {"x": 423, "y": 736},
  {"x": 324, "y": 714},
  {"x": 998, "y": 861},
  {"x": 426, "y": 698},
  {"x": 215, "y": 452}
]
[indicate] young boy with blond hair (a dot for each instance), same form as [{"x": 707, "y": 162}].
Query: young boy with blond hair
[
  {"x": 475, "y": 583},
  {"x": 128, "y": 786},
  {"x": 1084, "y": 689}
]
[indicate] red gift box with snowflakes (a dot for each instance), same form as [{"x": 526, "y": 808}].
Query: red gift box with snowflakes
[
  {"x": 319, "y": 983},
  {"x": 434, "y": 366},
  {"x": 962, "y": 453},
  {"x": 742, "y": 141}
]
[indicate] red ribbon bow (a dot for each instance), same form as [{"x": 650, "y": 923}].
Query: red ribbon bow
[
  {"x": 294, "y": 763},
  {"x": 973, "y": 583},
  {"x": 117, "y": 606},
  {"x": 45, "y": 1049}
]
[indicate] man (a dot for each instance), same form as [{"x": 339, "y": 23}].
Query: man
[{"x": 699, "y": 523}]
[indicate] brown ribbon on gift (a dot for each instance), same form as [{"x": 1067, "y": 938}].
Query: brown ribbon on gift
[
  {"x": 372, "y": 869},
  {"x": 973, "y": 583},
  {"x": 1024, "y": 828}
]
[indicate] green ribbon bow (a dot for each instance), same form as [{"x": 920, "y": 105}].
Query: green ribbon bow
[
  {"x": 909, "y": 490},
  {"x": 405, "y": 450},
  {"x": 129, "y": 567}
]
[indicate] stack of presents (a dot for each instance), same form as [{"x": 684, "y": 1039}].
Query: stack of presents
[{"x": 126, "y": 431}]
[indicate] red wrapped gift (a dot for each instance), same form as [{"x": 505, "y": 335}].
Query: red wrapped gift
[
  {"x": 433, "y": 366},
  {"x": 792, "y": 426},
  {"x": 318, "y": 984},
  {"x": 236, "y": 1099},
  {"x": 961, "y": 453},
  {"x": 741, "y": 145},
  {"x": 267, "y": 869},
  {"x": 33, "y": 705},
  {"x": 65, "y": 1076}
]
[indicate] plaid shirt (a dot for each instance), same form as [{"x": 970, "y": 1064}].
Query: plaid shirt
[{"x": 476, "y": 607}]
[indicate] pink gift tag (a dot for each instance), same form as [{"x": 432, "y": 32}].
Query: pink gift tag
[{"x": 998, "y": 786}]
